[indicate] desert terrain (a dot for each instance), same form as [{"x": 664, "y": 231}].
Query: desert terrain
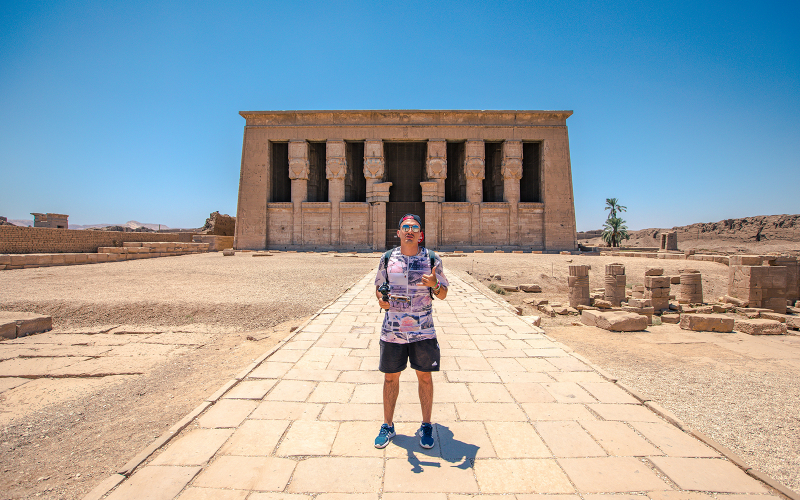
[{"x": 151, "y": 339}]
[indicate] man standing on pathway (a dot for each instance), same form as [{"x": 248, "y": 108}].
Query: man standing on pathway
[{"x": 415, "y": 275}]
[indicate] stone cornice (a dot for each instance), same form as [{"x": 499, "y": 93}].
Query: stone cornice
[{"x": 449, "y": 118}]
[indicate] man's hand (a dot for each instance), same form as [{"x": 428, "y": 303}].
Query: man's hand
[
  {"x": 384, "y": 304},
  {"x": 429, "y": 280}
]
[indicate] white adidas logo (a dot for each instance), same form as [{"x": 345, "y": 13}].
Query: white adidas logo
[{"x": 434, "y": 363}]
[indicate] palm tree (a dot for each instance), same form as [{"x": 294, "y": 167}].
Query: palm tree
[
  {"x": 614, "y": 231},
  {"x": 613, "y": 205}
]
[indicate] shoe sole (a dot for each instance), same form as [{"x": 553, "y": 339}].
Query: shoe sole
[{"x": 384, "y": 445}]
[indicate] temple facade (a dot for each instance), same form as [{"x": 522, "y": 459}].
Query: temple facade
[{"x": 341, "y": 180}]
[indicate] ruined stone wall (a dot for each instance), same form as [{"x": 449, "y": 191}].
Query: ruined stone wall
[{"x": 17, "y": 239}]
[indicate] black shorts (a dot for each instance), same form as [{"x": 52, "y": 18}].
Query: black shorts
[{"x": 424, "y": 356}]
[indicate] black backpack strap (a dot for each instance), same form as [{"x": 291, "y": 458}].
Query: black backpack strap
[{"x": 386, "y": 257}]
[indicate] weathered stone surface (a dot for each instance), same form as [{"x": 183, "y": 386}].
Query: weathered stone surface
[
  {"x": 671, "y": 318},
  {"x": 530, "y": 288},
  {"x": 27, "y": 323},
  {"x": 760, "y": 327},
  {"x": 510, "y": 288},
  {"x": 773, "y": 316},
  {"x": 654, "y": 271},
  {"x": 733, "y": 300},
  {"x": 620, "y": 321},
  {"x": 228, "y": 252},
  {"x": 8, "y": 329},
  {"x": 793, "y": 323},
  {"x": 707, "y": 323}
]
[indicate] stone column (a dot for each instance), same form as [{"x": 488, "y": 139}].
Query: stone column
[
  {"x": 335, "y": 171},
  {"x": 298, "y": 173},
  {"x": 378, "y": 200},
  {"x": 691, "y": 288},
  {"x": 615, "y": 282},
  {"x": 433, "y": 190},
  {"x": 578, "y": 282},
  {"x": 656, "y": 289},
  {"x": 374, "y": 166},
  {"x": 475, "y": 171},
  {"x": 512, "y": 173}
]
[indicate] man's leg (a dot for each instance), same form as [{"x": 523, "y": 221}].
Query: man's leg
[
  {"x": 425, "y": 395},
  {"x": 391, "y": 388}
]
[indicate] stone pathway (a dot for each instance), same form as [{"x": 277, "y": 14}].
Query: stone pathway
[{"x": 516, "y": 415}]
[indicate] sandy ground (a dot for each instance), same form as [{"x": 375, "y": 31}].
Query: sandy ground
[{"x": 60, "y": 441}]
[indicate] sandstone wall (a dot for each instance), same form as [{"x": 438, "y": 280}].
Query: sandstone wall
[{"x": 16, "y": 239}]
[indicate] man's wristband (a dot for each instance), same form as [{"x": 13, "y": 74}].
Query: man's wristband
[{"x": 437, "y": 288}]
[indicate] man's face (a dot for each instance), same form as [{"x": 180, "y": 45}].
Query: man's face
[{"x": 409, "y": 231}]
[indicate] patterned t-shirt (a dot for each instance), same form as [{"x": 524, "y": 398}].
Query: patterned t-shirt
[{"x": 411, "y": 320}]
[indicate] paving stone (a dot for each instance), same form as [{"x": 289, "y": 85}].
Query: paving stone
[
  {"x": 412, "y": 412},
  {"x": 194, "y": 448},
  {"x": 687, "y": 495},
  {"x": 337, "y": 475},
  {"x": 283, "y": 410},
  {"x": 298, "y": 344},
  {"x": 569, "y": 364},
  {"x": 619, "y": 439},
  {"x": 673, "y": 441},
  {"x": 313, "y": 375},
  {"x": 361, "y": 377},
  {"x": 525, "y": 377},
  {"x": 355, "y": 439},
  {"x": 529, "y": 392},
  {"x": 307, "y": 437},
  {"x": 506, "y": 365},
  {"x": 35, "y": 367},
  {"x": 154, "y": 482},
  {"x": 368, "y": 393},
  {"x": 606, "y": 392},
  {"x": 535, "y": 496},
  {"x": 536, "y": 364},
  {"x": 247, "y": 473},
  {"x": 250, "y": 389},
  {"x": 347, "y": 496},
  {"x": 579, "y": 377},
  {"x": 516, "y": 440},
  {"x": 109, "y": 365},
  {"x": 432, "y": 475},
  {"x": 342, "y": 363},
  {"x": 626, "y": 413},
  {"x": 611, "y": 475},
  {"x": 568, "y": 392},
  {"x": 707, "y": 474},
  {"x": 7, "y": 383},
  {"x": 291, "y": 390},
  {"x": 599, "y": 496},
  {"x": 332, "y": 392},
  {"x": 472, "y": 376},
  {"x": 489, "y": 411},
  {"x": 451, "y": 393},
  {"x": 553, "y": 352},
  {"x": 287, "y": 356},
  {"x": 352, "y": 411},
  {"x": 255, "y": 438},
  {"x": 420, "y": 496},
  {"x": 463, "y": 441},
  {"x": 192, "y": 493},
  {"x": 271, "y": 369},
  {"x": 526, "y": 475},
  {"x": 505, "y": 353},
  {"x": 568, "y": 439},
  {"x": 227, "y": 413},
  {"x": 556, "y": 411},
  {"x": 489, "y": 393}
]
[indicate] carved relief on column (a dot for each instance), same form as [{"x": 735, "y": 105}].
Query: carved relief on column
[
  {"x": 512, "y": 160},
  {"x": 374, "y": 164},
  {"x": 298, "y": 160},
  {"x": 335, "y": 162},
  {"x": 474, "y": 170},
  {"x": 436, "y": 165}
]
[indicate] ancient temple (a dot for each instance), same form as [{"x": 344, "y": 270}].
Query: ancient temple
[{"x": 340, "y": 180}]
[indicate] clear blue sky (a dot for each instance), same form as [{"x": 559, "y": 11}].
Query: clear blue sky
[{"x": 111, "y": 111}]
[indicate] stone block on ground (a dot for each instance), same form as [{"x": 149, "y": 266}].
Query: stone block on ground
[
  {"x": 707, "y": 323},
  {"x": 760, "y": 327},
  {"x": 602, "y": 304},
  {"x": 27, "y": 323},
  {"x": 8, "y": 329},
  {"x": 774, "y": 316},
  {"x": 530, "y": 288},
  {"x": 793, "y": 323},
  {"x": 620, "y": 321},
  {"x": 671, "y": 318},
  {"x": 654, "y": 271},
  {"x": 733, "y": 300},
  {"x": 510, "y": 288}
]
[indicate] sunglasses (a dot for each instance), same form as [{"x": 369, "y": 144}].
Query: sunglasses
[{"x": 409, "y": 227}]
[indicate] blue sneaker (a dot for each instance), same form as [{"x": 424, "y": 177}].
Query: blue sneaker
[
  {"x": 386, "y": 433},
  {"x": 425, "y": 433}
]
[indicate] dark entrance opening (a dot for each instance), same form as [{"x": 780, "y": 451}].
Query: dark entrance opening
[
  {"x": 355, "y": 185},
  {"x": 405, "y": 169},
  {"x": 317, "y": 180},
  {"x": 281, "y": 189},
  {"x": 455, "y": 186},
  {"x": 530, "y": 184},
  {"x": 493, "y": 175}
]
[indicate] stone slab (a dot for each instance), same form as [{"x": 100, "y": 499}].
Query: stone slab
[
  {"x": 489, "y": 411},
  {"x": 568, "y": 439},
  {"x": 194, "y": 448},
  {"x": 227, "y": 413},
  {"x": 427, "y": 475},
  {"x": 760, "y": 327},
  {"x": 619, "y": 440},
  {"x": 354, "y": 439},
  {"x": 516, "y": 440},
  {"x": 626, "y": 413},
  {"x": 707, "y": 323},
  {"x": 707, "y": 474},
  {"x": 255, "y": 438},
  {"x": 556, "y": 411},
  {"x": 193, "y": 493},
  {"x": 611, "y": 475},
  {"x": 673, "y": 441},
  {"x": 521, "y": 476},
  {"x": 250, "y": 389},
  {"x": 460, "y": 441},
  {"x": 307, "y": 437},
  {"x": 247, "y": 473},
  {"x": 27, "y": 323},
  {"x": 285, "y": 410},
  {"x": 155, "y": 482},
  {"x": 338, "y": 475}
]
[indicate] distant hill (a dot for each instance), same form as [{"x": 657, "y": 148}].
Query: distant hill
[
  {"x": 760, "y": 234},
  {"x": 131, "y": 224}
]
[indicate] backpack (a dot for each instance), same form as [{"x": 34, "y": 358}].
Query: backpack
[{"x": 388, "y": 254}]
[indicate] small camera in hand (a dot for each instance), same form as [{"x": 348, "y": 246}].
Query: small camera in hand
[{"x": 384, "y": 289}]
